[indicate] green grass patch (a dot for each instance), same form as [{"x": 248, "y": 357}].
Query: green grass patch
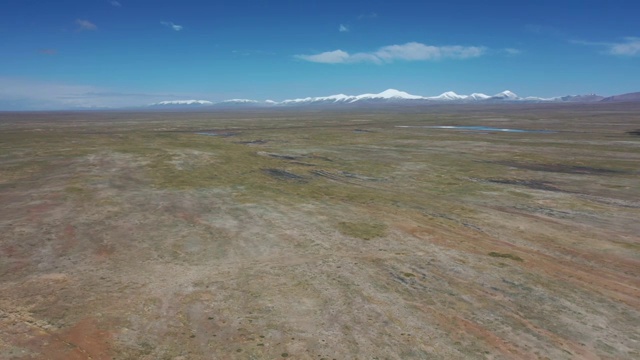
[{"x": 506, "y": 256}]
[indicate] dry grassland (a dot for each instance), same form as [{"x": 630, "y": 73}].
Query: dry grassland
[{"x": 321, "y": 235}]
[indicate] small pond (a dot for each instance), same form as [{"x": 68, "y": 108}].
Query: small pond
[
  {"x": 478, "y": 128},
  {"x": 224, "y": 134}
]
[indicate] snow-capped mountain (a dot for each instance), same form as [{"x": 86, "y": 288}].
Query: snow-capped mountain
[
  {"x": 308, "y": 100},
  {"x": 505, "y": 95},
  {"x": 478, "y": 96},
  {"x": 233, "y": 103},
  {"x": 243, "y": 103},
  {"x": 629, "y": 97},
  {"x": 397, "y": 96},
  {"x": 239, "y": 101},
  {"x": 582, "y": 98},
  {"x": 389, "y": 96},
  {"x": 449, "y": 96},
  {"x": 182, "y": 102}
]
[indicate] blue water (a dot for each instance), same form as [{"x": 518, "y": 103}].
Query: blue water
[
  {"x": 224, "y": 134},
  {"x": 480, "y": 128},
  {"x": 207, "y": 134}
]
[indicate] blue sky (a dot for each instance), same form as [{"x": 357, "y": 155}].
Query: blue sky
[{"x": 65, "y": 54}]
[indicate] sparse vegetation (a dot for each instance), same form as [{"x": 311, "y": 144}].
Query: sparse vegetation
[
  {"x": 506, "y": 256},
  {"x": 131, "y": 235},
  {"x": 362, "y": 230}
]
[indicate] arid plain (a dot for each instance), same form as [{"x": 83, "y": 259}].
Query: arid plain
[{"x": 321, "y": 235}]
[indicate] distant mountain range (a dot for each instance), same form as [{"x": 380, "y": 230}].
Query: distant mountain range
[
  {"x": 392, "y": 96},
  {"x": 623, "y": 98}
]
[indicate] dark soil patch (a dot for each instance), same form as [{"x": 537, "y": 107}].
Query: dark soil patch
[
  {"x": 546, "y": 211},
  {"x": 283, "y": 174},
  {"x": 283, "y": 157},
  {"x": 340, "y": 175},
  {"x": 324, "y": 158},
  {"x": 325, "y": 174},
  {"x": 302, "y": 163},
  {"x": 253, "y": 142},
  {"x": 634, "y": 132},
  {"x": 560, "y": 168},
  {"x": 358, "y": 176}
]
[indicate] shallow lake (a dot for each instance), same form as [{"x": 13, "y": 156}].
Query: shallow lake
[{"x": 477, "y": 128}]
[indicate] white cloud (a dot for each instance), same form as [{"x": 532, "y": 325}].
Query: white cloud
[
  {"x": 86, "y": 25},
  {"x": 171, "y": 25},
  {"x": 412, "y": 51},
  {"x": 329, "y": 57},
  {"x": 416, "y": 51},
  {"x": 115, "y": 3},
  {"x": 629, "y": 47},
  {"x": 343, "y": 28}
]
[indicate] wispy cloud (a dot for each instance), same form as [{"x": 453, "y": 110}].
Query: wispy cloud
[
  {"x": 85, "y": 25},
  {"x": 412, "y": 51},
  {"x": 366, "y": 16},
  {"x": 629, "y": 47},
  {"x": 343, "y": 28},
  {"x": 115, "y": 3},
  {"x": 328, "y": 57},
  {"x": 171, "y": 25},
  {"x": 48, "y": 51}
]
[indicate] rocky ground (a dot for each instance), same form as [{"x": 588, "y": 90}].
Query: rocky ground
[{"x": 321, "y": 235}]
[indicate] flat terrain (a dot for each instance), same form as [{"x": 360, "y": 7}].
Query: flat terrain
[{"x": 321, "y": 235}]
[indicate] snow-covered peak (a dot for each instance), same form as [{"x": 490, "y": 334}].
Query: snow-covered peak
[
  {"x": 390, "y": 94},
  {"x": 387, "y": 94},
  {"x": 331, "y": 98},
  {"x": 239, "y": 101},
  {"x": 508, "y": 95},
  {"x": 301, "y": 100},
  {"x": 184, "y": 102},
  {"x": 535, "y": 98},
  {"x": 339, "y": 97},
  {"x": 397, "y": 94},
  {"x": 479, "y": 96},
  {"x": 449, "y": 95}
]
